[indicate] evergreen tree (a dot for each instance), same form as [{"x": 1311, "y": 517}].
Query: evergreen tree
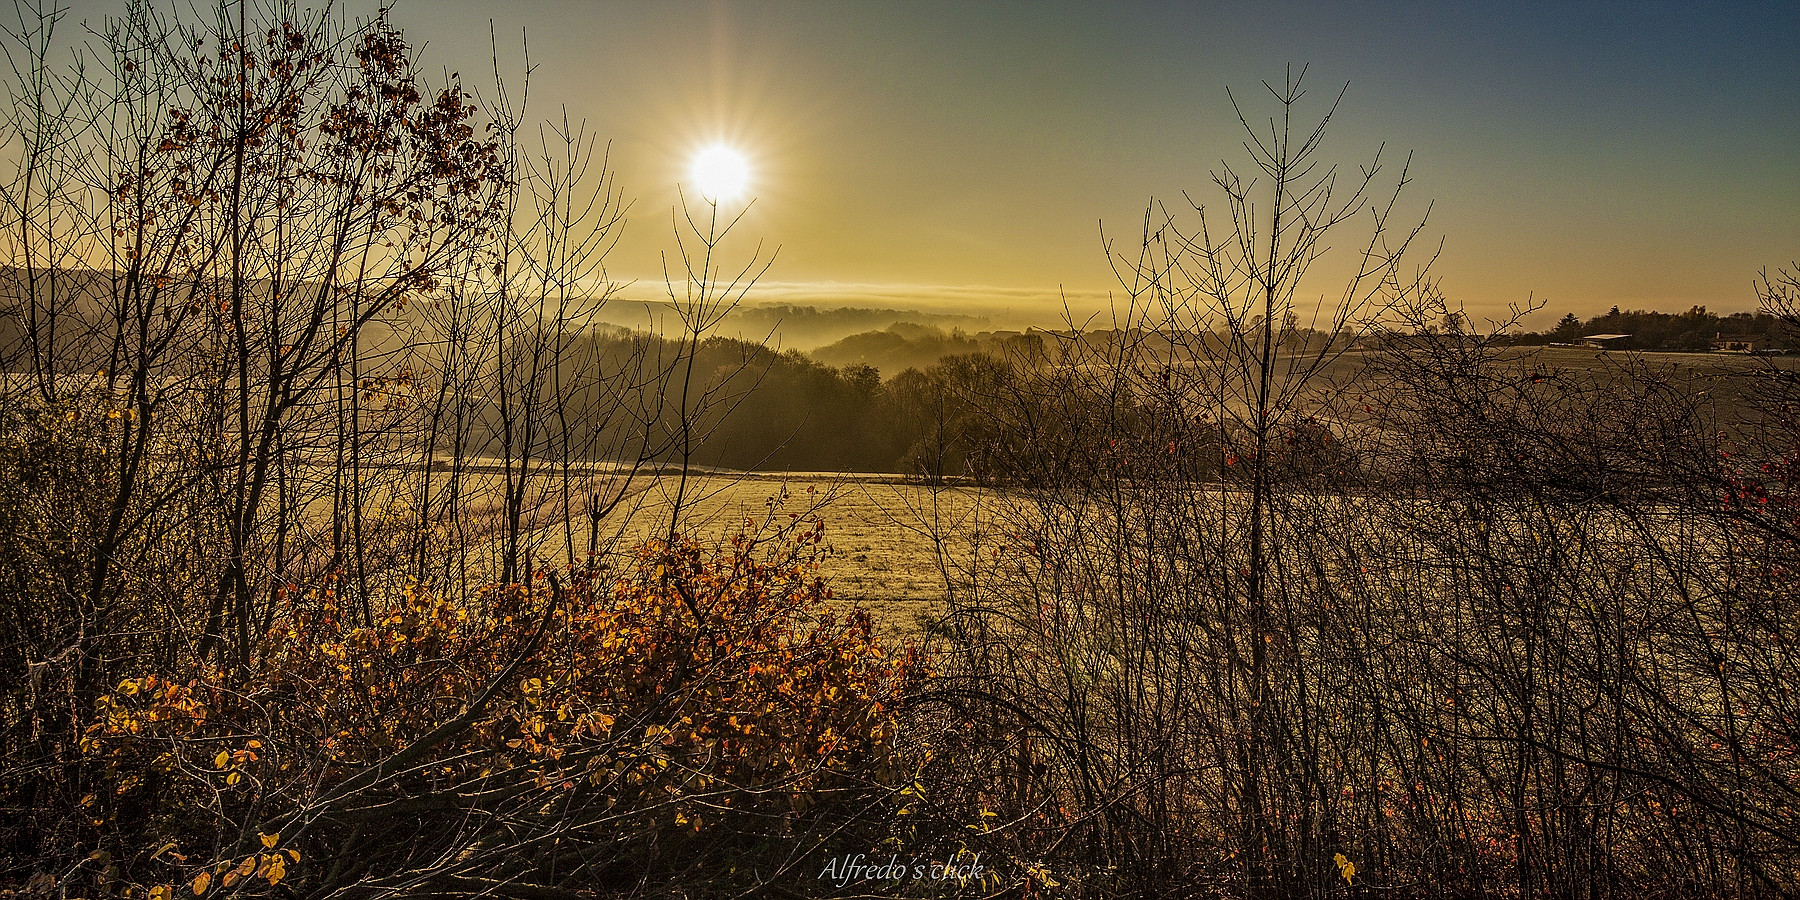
[{"x": 1568, "y": 328}]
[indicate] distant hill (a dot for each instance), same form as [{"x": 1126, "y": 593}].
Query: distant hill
[
  {"x": 910, "y": 345},
  {"x": 789, "y": 326},
  {"x": 83, "y": 330}
]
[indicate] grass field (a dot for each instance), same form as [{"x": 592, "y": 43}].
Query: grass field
[
  {"x": 878, "y": 549},
  {"x": 1721, "y": 381}
]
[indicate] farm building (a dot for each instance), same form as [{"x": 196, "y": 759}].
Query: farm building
[
  {"x": 1738, "y": 344},
  {"x": 1605, "y": 341}
]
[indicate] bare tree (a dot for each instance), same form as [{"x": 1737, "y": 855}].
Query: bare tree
[{"x": 1142, "y": 633}]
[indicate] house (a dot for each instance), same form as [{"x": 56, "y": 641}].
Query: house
[
  {"x": 1737, "y": 344},
  {"x": 1605, "y": 341}
]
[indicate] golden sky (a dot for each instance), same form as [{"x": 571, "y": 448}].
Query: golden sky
[{"x": 955, "y": 155}]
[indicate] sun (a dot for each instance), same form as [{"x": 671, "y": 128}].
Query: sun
[{"x": 721, "y": 173}]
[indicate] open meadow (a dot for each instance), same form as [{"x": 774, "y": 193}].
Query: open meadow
[{"x": 880, "y": 549}]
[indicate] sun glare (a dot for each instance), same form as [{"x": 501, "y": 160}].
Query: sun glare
[{"x": 721, "y": 173}]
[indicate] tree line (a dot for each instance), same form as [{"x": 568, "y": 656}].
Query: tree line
[{"x": 1693, "y": 331}]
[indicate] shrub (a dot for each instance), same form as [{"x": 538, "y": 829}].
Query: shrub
[{"x": 665, "y": 722}]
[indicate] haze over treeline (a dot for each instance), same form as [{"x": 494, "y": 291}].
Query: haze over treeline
[
  {"x": 905, "y": 399},
  {"x": 785, "y": 325}
]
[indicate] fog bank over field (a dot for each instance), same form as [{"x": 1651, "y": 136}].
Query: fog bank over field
[
  {"x": 780, "y": 325},
  {"x": 806, "y": 315}
]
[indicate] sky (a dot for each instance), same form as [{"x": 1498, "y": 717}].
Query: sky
[{"x": 970, "y": 156}]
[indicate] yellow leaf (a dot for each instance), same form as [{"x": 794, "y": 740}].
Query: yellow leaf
[
  {"x": 162, "y": 892},
  {"x": 1346, "y": 868},
  {"x": 202, "y": 881},
  {"x": 220, "y": 760},
  {"x": 247, "y": 866},
  {"x": 269, "y": 840}
]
